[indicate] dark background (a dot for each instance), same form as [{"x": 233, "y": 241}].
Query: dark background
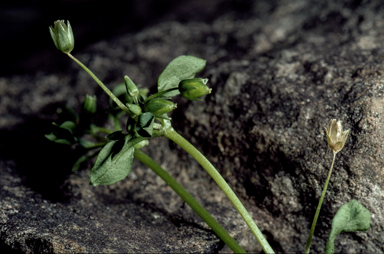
[{"x": 26, "y": 44}]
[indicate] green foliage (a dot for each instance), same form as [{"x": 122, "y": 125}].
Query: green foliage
[
  {"x": 193, "y": 89},
  {"x": 114, "y": 161},
  {"x": 351, "y": 217},
  {"x": 143, "y": 113},
  {"x": 62, "y": 36},
  {"x": 182, "y": 67},
  {"x": 63, "y": 134},
  {"x": 144, "y": 126}
]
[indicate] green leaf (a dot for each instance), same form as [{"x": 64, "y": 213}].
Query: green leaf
[
  {"x": 69, "y": 125},
  {"x": 351, "y": 217},
  {"x": 117, "y": 135},
  {"x": 114, "y": 161},
  {"x": 144, "y": 126},
  {"x": 63, "y": 134},
  {"x": 182, "y": 67}
]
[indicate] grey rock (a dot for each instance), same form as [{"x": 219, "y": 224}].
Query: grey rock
[{"x": 279, "y": 73}]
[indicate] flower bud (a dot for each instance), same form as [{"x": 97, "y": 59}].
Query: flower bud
[
  {"x": 131, "y": 87},
  {"x": 192, "y": 89},
  {"x": 62, "y": 36},
  {"x": 134, "y": 109},
  {"x": 335, "y": 135},
  {"x": 159, "y": 106},
  {"x": 90, "y": 104}
]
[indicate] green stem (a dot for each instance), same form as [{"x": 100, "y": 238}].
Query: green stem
[
  {"x": 188, "y": 147},
  {"x": 104, "y": 130},
  {"x": 110, "y": 94},
  {"x": 161, "y": 93},
  {"x": 319, "y": 207},
  {"x": 215, "y": 226}
]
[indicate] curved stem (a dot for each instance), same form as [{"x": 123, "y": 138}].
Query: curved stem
[
  {"x": 216, "y": 227},
  {"x": 319, "y": 207},
  {"x": 188, "y": 147},
  {"x": 110, "y": 94}
]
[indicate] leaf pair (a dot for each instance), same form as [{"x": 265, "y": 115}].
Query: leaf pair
[{"x": 63, "y": 134}]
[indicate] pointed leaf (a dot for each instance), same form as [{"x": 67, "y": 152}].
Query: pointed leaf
[
  {"x": 63, "y": 134},
  {"x": 351, "y": 217},
  {"x": 144, "y": 126},
  {"x": 182, "y": 67},
  {"x": 114, "y": 161}
]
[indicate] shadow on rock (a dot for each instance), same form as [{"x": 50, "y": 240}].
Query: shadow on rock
[{"x": 42, "y": 164}]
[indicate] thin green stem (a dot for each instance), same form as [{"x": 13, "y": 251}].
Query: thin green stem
[
  {"x": 161, "y": 93},
  {"x": 319, "y": 207},
  {"x": 215, "y": 226},
  {"x": 188, "y": 147},
  {"x": 110, "y": 94},
  {"x": 104, "y": 130}
]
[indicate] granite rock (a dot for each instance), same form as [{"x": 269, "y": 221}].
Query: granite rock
[{"x": 279, "y": 72}]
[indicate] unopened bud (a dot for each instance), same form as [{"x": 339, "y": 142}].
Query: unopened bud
[
  {"x": 134, "y": 109},
  {"x": 159, "y": 106},
  {"x": 192, "y": 89},
  {"x": 62, "y": 36},
  {"x": 131, "y": 87},
  {"x": 90, "y": 103}
]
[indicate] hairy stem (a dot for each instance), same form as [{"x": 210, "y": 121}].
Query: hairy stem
[
  {"x": 188, "y": 147},
  {"x": 307, "y": 247},
  {"x": 110, "y": 94},
  {"x": 215, "y": 226}
]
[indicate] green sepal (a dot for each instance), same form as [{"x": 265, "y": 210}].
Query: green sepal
[
  {"x": 117, "y": 135},
  {"x": 144, "y": 126},
  {"x": 180, "y": 68},
  {"x": 192, "y": 89},
  {"x": 131, "y": 87},
  {"x": 114, "y": 161},
  {"x": 134, "y": 109},
  {"x": 62, "y": 36},
  {"x": 351, "y": 217},
  {"x": 159, "y": 106}
]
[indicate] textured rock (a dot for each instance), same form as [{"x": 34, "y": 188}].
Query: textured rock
[{"x": 279, "y": 72}]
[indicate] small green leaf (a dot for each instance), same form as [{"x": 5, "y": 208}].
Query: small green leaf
[
  {"x": 351, "y": 217},
  {"x": 144, "y": 126},
  {"x": 114, "y": 161},
  {"x": 182, "y": 67},
  {"x": 63, "y": 134},
  {"x": 69, "y": 125}
]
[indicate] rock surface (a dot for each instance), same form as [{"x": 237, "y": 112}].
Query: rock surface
[{"x": 279, "y": 72}]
